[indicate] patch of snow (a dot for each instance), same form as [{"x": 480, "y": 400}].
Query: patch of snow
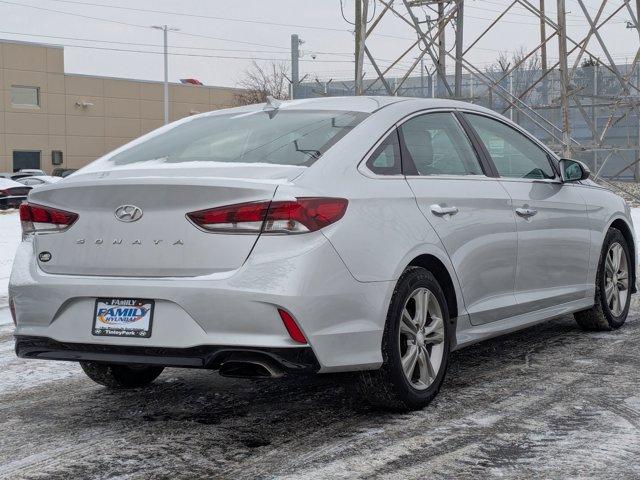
[
  {"x": 635, "y": 216},
  {"x": 10, "y": 236}
]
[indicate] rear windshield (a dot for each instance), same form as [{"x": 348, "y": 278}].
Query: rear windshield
[{"x": 280, "y": 137}]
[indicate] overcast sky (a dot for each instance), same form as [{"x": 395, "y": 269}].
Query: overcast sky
[{"x": 209, "y": 45}]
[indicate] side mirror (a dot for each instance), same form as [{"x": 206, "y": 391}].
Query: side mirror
[{"x": 573, "y": 170}]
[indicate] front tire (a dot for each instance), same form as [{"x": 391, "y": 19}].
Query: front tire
[
  {"x": 120, "y": 376},
  {"x": 415, "y": 345},
  {"x": 613, "y": 286}
]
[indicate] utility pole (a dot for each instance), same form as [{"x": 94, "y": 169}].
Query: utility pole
[
  {"x": 165, "y": 30},
  {"x": 442, "y": 50},
  {"x": 422, "y": 76},
  {"x": 564, "y": 78},
  {"x": 543, "y": 50},
  {"x": 361, "y": 8},
  {"x": 295, "y": 71},
  {"x": 459, "y": 46}
]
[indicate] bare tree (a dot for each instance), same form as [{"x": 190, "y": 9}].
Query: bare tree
[
  {"x": 526, "y": 72},
  {"x": 261, "y": 81}
]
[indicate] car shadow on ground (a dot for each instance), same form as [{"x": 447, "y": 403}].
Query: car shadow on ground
[{"x": 205, "y": 397}]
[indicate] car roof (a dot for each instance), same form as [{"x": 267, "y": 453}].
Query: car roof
[
  {"x": 369, "y": 104},
  {"x": 8, "y": 183}
]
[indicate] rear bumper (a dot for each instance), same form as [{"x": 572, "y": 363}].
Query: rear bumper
[
  {"x": 342, "y": 319},
  {"x": 291, "y": 360}
]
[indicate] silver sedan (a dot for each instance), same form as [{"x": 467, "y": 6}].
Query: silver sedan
[{"x": 365, "y": 234}]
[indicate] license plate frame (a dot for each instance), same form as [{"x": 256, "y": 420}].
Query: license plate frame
[{"x": 126, "y": 318}]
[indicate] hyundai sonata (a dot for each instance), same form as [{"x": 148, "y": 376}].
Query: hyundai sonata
[{"x": 361, "y": 234}]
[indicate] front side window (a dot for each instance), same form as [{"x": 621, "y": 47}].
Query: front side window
[
  {"x": 513, "y": 154},
  {"x": 385, "y": 160},
  {"x": 25, "y": 96},
  {"x": 435, "y": 144},
  {"x": 285, "y": 137}
]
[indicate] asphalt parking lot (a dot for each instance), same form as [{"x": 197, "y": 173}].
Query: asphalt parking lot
[{"x": 551, "y": 402}]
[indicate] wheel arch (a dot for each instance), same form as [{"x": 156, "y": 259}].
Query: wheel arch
[
  {"x": 440, "y": 271},
  {"x": 624, "y": 228}
]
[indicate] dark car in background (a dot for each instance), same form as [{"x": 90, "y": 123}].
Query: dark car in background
[
  {"x": 63, "y": 172},
  {"x": 12, "y": 193}
]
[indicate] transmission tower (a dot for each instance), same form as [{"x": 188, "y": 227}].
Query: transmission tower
[{"x": 584, "y": 85}]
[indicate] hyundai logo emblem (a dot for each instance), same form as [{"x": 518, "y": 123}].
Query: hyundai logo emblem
[{"x": 128, "y": 213}]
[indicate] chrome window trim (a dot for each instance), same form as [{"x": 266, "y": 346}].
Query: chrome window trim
[
  {"x": 364, "y": 170},
  {"x": 550, "y": 154}
]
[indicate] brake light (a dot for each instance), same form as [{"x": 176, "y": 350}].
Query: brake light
[
  {"x": 36, "y": 218},
  {"x": 306, "y": 214},
  {"x": 3, "y": 193},
  {"x": 292, "y": 327}
]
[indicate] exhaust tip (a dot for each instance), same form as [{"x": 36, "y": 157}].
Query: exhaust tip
[{"x": 250, "y": 366}]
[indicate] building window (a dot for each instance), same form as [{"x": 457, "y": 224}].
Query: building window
[{"x": 25, "y": 96}]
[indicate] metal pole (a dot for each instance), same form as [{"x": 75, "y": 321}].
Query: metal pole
[
  {"x": 442, "y": 51},
  {"x": 543, "y": 37},
  {"x": 295, "y": 72},
  {"x": 422, "y": 76},
  {"x": 543, "y": 51},
  {"x": 564, "y": 78},
  {"x": 594, "y": 118},
  {"x": 166, "y": 74},
  {"x": 511, "y": 95},
  {"x": 360, "y": 33},
  {"x": 459, "y": 40},
  {"x": 165, "y": 35},
  {"x": 434, "y": 79}
]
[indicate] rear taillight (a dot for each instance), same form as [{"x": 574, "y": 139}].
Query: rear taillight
[
  {"x": 3, "y": 193},
  {"x": 36, "y": 218},
  {"x": 302, "y": 215}
]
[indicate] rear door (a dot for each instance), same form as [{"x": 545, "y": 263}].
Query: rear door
[
  {"x": 551, "y": 217},
  {"x": 469, "y": 209}
]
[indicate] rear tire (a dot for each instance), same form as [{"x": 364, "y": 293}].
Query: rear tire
[
  {"x": 613, "y": 286},
  {"x": 410, "y": 388},
  {"x": 120, "y": 376}
]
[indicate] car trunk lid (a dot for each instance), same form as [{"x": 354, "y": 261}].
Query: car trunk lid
[{"x": 162, "y": 241}]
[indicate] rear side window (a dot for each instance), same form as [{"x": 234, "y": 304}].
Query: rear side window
[
  {"x": 385, "y": 160},
  {"x": 282, "y": 137},
  {"x": 436, "y": 145},
  {"x": 513, "y": 154}
]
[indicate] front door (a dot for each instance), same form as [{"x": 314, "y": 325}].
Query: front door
[
  {"x": 470, "y": 212},
  {"x": 551, "y": 218},
  {"x": 25, "y": 159}
]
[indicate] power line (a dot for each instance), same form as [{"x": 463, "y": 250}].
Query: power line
[
  {"x": 135, "y": 25},
  {"x": 210, "y": 17},
  {"x": 232, "y": 57},
  {"x": 115, "y": 42}
]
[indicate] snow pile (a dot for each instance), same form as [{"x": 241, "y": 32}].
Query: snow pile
[{"x": 9, "y": 240}]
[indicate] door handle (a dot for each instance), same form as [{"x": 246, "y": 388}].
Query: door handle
[
  {"x": 526, "y": 212},
  {"x": 440, "y": 210}
]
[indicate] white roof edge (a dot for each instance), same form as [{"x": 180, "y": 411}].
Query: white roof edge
[
  {"x": 105, "y": 77},
  {"x": 32, "y": 44}
]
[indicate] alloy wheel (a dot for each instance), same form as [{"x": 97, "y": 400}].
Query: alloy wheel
[
  {"x": 616, "y": 279},
  {"x": 421, "y": 338}
]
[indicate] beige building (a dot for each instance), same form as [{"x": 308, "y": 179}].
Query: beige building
[{"x": 50, "y": 119}]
